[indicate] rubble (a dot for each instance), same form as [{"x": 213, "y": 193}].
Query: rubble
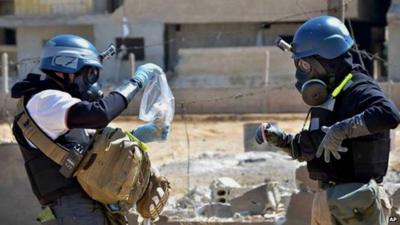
[
  {"x": 258, "y": 201},
  {"x": 227, "y": 199},
  {"x": 218, "y": 209}
]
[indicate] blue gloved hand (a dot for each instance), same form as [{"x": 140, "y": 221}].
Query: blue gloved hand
[
  {"x": 146, "y": 72},
  {"x": 149, "y": 132},
  {"x": 165, "y": 133}
]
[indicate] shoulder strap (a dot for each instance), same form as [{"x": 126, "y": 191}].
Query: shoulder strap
[{"x": 35, "y": 135}]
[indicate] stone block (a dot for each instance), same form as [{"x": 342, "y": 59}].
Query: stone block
[
  {"x": 258, "y": 201},
  {"x": 303, "y": 181},
  {"x": 299, "y": 210},
  {"x": 222, "y": 188}
]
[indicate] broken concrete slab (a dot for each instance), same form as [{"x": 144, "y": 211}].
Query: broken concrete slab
[
  {"x": 196, "y": 196},
  {"x": 258, "y": 201},
  {"x": 221, "y": 210}
]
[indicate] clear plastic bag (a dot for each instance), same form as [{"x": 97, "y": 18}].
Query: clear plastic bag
[{"x": 158, "y": 102}]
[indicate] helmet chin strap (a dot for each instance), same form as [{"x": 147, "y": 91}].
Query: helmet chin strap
[
  {"x": 66, "y": 81},
  {"x": 53, "y": 75}
]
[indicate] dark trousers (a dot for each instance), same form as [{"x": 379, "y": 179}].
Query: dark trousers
[{"x": 78, "y": 209}]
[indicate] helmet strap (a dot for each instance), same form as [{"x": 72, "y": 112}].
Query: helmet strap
[
  {"x": 63, "y": 81},
  {"x": 66, "y": 81}
]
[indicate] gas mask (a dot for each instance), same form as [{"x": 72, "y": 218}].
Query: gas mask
[
  {"x": 316, "y": 76},
  {"x": 313, "y": 81},
  {"x": 85, "y": 85}
]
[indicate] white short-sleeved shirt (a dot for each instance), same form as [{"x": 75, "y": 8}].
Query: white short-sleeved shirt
[{"x": 49, "y": 109}]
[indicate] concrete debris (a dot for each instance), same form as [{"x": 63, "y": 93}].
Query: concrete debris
[
  {"x": 396, "y": 204},
  {"x": 196, "y": 197},
  {"x": 258, "y": 201},
  {"x": 221, "y": 210},
  {"x": 186, "y": 206},
  {"x": 222, "y": 188},
  {"x": 227, "y": 199}
]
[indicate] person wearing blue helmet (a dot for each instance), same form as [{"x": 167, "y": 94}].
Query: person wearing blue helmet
[
  {"x": 350, "y": 119},
  {"x": 66, "y": 104}
]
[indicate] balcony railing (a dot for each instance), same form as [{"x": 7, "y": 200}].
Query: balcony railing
[{"x": 46, "y": 8}]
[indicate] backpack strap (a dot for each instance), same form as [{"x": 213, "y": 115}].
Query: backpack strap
[{"x": 68, "y": 160}]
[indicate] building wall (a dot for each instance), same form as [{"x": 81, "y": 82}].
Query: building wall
[
  {"x": 30, "y": 41},
  {"x": 211, "y": 11},
  {"x": 233, "y": 67},
  {"x": 220, "y": 35},
  {"x": 106, "y": 31},
  {"x": 393, "y": 32}
]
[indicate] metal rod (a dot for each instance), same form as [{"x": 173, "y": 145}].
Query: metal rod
[
  {"x": 267, "y": 62},
  {"x": 4, "y": 71},
  {"x": 336, "y": 8},
  {"x": 132, "y": 63}
]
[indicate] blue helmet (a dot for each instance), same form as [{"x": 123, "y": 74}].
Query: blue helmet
[
  {"x": 325, "y": 36},
  {"x": 68, "y": 53}
]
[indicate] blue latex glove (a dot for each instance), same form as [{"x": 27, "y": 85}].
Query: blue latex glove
[
  {"x": 114, "y": 207},
  {"x": 146, "y": 72},
  {"x": 149, "y": 132}
]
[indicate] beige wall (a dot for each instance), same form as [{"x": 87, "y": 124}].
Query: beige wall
[
  {"x": 393, "y": 32},
  {"x": 228, "y": 67},
  {"x": 223, "y": 35},
  {"x": 30, "y": 41},
  {"x": 18, "y": 205},
  {"x": 211, "y": 11},
  {"x": 106, "y": 31}
]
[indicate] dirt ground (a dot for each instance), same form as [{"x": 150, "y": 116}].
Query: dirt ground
[
  {"x": 221, "y": 134},
  {"x": 208, "y": 136}
]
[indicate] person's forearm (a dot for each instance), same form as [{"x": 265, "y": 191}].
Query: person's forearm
[
  {"x": 381, "y": 117},
  {"x": 99, "y": 114},
  {"x": 380, "y": 113},
  {"x": 95, "y": 115}
]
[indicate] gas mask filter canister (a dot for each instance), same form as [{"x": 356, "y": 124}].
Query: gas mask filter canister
[{"x": 314, "y": 92}]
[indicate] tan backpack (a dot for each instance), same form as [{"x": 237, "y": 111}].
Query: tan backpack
[{"x": 115, "y": 169}]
